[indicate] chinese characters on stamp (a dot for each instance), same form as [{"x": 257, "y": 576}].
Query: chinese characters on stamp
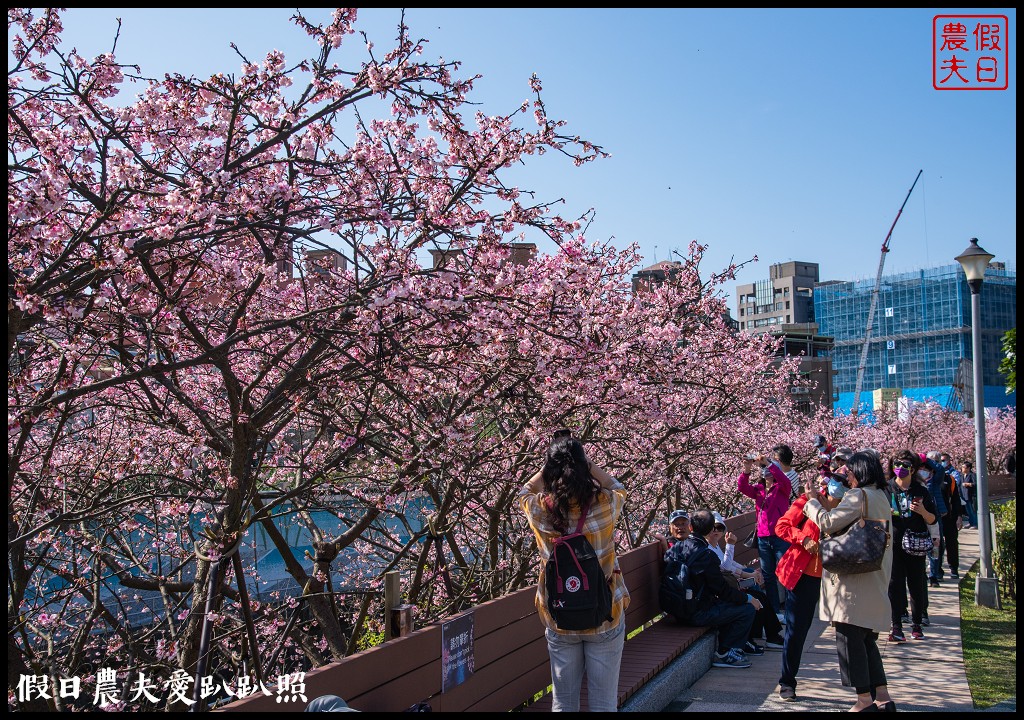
[{"x": 970, "y": 52}]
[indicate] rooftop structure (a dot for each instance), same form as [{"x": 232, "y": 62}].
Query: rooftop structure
[{"x": 785, "y": 297}]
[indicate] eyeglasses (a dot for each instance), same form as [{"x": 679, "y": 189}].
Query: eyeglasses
[
  {"x": 719, "y": 528},
  {"x": 901, "y": 464}
]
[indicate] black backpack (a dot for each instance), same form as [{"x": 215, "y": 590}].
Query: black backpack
[
  {"x": 579, "y": 596},
  {"x": 676, "y": 593}
]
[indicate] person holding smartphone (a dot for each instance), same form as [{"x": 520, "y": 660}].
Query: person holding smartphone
[
  {"x": 913, "y": 510},
  {"x": 553, "y": 501},
  {"x": 856, "y": 604},
  {"x": 770, "y": 493},
  {"x": 799, "y": 571}
]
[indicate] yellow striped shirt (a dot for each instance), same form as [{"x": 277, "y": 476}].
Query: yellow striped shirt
[{"x": 600, "y": 531}]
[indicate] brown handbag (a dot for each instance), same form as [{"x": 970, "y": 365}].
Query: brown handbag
[{"x": 858, "y": 548}]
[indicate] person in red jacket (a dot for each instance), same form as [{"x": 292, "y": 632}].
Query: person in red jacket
[{"x": 799, "y": 571}]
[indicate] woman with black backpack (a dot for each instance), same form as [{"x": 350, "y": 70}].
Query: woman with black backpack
[{"x": 569, "y": 496}]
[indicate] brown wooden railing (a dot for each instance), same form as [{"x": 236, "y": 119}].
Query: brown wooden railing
[{"x": 510, "y": 653}]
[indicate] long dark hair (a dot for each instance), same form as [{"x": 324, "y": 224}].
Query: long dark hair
[
  {"x": 867, "y": 468},
  {"x": 567, "y": 479}
]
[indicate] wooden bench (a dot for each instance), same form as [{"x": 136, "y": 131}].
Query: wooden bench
[
  {"x": 664, "y": 658},
  {"x": 661, "y": 640},
  {"x": 511, "y": 658}
]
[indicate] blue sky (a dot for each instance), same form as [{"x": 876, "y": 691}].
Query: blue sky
[{"x": 786, "y": 134}]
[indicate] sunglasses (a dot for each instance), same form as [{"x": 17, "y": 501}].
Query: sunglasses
[
  {"x": 902, "y": 464},
  {"x": 720, "y": 528}
]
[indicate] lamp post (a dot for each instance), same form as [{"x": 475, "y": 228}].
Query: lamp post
[{"x": 974, "y": 261}]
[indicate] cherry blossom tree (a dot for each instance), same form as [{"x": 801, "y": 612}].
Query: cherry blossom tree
[
  {"x": 222, "y": 324},
  {"x": 152, "y": 251}
]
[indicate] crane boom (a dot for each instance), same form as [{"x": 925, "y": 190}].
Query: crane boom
[{"x": 874, "y": 302}]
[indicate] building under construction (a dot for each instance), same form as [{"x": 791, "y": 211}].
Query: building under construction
[{"x": 920, "y": 341}]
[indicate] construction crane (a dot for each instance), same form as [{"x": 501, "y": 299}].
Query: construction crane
[{"x": 874, "y": 303}]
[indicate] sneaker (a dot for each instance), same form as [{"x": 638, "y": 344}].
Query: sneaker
[
  {"x": 916, "y": 632},
  {"x": 925, "y": 621},
  {"x": 731, "y": 659},
  {"x": 896, "y": 635},
  {"x": 752, "y": 648},
  {"x": 933, "y": 582},
  {"x": 775, "y": 643},
  {"x": 954, "y": 574},
  {"x": 787, "y": 693},
  {"x": 905, "y": 618}
]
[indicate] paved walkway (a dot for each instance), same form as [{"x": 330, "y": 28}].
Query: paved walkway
[{"x": 924, "y": 675}]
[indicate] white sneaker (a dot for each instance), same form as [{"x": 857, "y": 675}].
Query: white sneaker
[{"x": 731, "y": 659}]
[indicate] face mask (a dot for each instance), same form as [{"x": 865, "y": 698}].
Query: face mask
[
  {"x": 901, "y": 472},
  {"x": 836, "y": 489},
  {"x": 924, "y": 474}
]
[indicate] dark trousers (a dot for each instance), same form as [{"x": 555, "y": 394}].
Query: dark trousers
[
  {"x": 951, "y": 535},
  {"x": 765, "y": 619},
  {"x": 732, "y": 622},
  {"x": 770, "y": 550},
  {"x": 908, "y": 575},
  {"x": 860, "y": 663},
  {"x": 800, "y": 604},
  {"x": 935, "y": 563}
]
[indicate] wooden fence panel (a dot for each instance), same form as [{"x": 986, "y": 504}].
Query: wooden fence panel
[{"x": 510, "y": 655}]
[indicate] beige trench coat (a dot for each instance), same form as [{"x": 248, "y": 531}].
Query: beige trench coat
[{"x": 863, "y": 599}]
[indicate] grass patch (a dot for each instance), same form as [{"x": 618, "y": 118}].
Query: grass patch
[{"x": 990, "y": 646}]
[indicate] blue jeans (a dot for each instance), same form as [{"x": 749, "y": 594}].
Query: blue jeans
[
  {"x": 600, "y": 655},
  {"x": 732, "y": 622},
  {"x": 972, "y": 513},
  {"x": 771, "y": 549},
  {"x": 800, "y": 604}
]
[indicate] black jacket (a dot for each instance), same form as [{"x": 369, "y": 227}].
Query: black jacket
[
  {"x": 705, "y": 570},
  {"x": 903, "y": 518}
]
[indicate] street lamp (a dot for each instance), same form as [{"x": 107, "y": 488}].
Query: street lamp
[{"x": 974, "y": 261}]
